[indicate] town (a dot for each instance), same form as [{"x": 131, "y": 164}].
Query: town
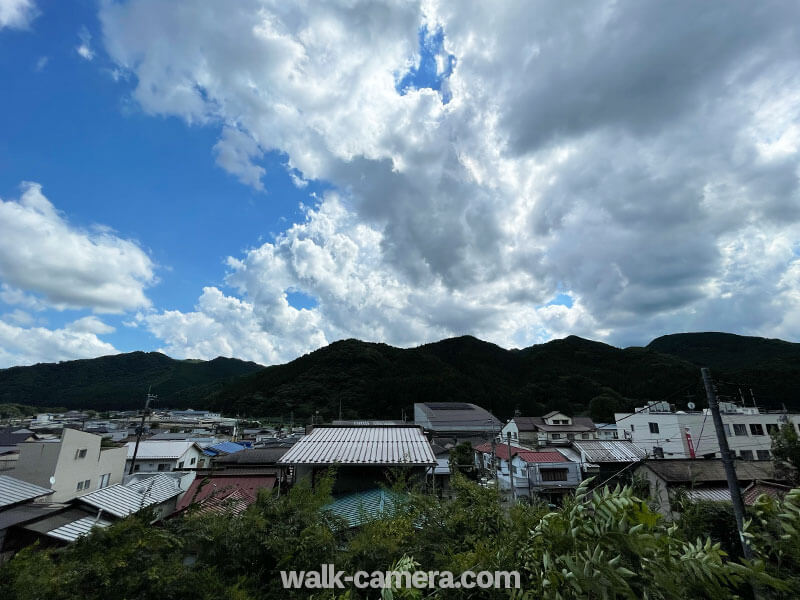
[{"x": 63, "y": 475}]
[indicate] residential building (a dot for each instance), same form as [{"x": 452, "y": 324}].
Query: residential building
[
  {"x": 458, "y": 420},
  {"x": 697, "y": 479},
  {"x": 606, "y": 431},
  {"x": 549, "y": 473},
  {"x": 72, "y": 465},
  {"x": 664, "y": 432},
  {"x": 165, "y": 456},
  {"x": 604, "y": 459},
  {"x": 226, "y": 491},
  {"x": 17, "y": 506},
  {"x": 363, "y": 456},
  {"x": 553, "y": 429}
]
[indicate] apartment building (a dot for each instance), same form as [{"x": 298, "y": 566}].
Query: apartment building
[
  {"x": 664, "y": 432},
  {"x": 553, "y": 429},
  {"x": 72, "y": 465}
]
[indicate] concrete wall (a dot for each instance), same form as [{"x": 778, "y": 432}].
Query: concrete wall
[{"x": 40, "y": 461}]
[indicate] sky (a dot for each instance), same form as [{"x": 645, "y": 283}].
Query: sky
[{"x": 259, "y": 179}]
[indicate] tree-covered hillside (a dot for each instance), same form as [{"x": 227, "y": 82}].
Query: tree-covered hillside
[{"x": 119, "y": 381}]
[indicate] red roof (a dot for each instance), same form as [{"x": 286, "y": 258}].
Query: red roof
[
  {"x": 223, "y": 486},
  {"x": 542, "y": 457},
  {"x": 501, "y": 451}
]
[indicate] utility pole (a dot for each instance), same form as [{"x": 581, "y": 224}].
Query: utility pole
[
  {"x": 140, "y": 429},
  {"x": 511, "y": 469},
  {"x": 727, "y": 462}
]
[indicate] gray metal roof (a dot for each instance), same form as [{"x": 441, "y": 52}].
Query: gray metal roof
[
  {"x": 154, "y": 449},
  {"x": 455, "y": 416},
  {"x": 13, "y": 491},
  {"x": 710, "y": 494},
  {"x": 361, "y": 445},
  {"x": 609, "y": 451},
  {"x": 72, "y": 531},
  {"x": 121, "y": 501}
]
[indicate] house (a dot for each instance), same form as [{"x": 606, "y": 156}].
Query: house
[
  {"x": 664, "y": 432},
  {"x": 606, "y": 431},
  {"x": 604, "y": 459},
  {"x": 17, "y": 505},
  {"x": 458, "y": 420},
  {"x": 164, "y": 456},
  {"x": 363, "y": 456},
  {"x": 697, "y": 479},
  {"x": 225, "y": 491},
  {"x": 547, "y": 473},
  {"x": 554, "y": 428},
  {"x": 159, "y": 493},
  {"x": 72, "y": 465},
  {"x": 10, "y": 438}
]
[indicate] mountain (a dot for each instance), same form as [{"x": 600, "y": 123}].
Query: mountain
[
  {"x": 120, "y": 381},
  {"x": 750, "y": 367},
  {"x": 378, "y": 381}
]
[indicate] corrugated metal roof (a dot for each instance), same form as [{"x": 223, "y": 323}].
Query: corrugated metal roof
[
  {"x": 361, "y": 445},
  {"x": 709, "y": 494},
  {"x": 609, "y": 451},
  {"x": 362, "y": 507},
  {"x": 223, "y": 448},
  {"x": 72, "y": 531},
  {"x": 13, "y": 490},
  {"x": 153, "y": 449},
  {"x": 121, "y": 501}
]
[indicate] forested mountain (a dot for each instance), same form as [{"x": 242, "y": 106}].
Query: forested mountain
[
  {"x": 119, "y": 381},
  {"x": 369, "y": 380}
]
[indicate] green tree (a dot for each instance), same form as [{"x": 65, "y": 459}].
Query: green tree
[
  {"x": 462, "y": 460},
  {"x": 786, "y": 450}
]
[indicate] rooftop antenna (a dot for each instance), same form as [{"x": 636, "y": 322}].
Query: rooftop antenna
[{"x": 140, "y": 429}]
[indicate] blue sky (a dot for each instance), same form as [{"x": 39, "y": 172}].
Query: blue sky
[{"x": 261, "y": 180}]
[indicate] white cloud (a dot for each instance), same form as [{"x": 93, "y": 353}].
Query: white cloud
[
  {"x": 17, "y": 14},
  {"x": 46, "y": 262},
  {"x": 29, "y": 345},
  {"x": 84, "y": 49},
  {"x": 583, "y": 147}
]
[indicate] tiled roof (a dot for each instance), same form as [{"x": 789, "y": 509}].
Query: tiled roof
[
  {"x": 222, "y": 486},
  {"x": 156, "y": 449},
  {"x": 542, "y": 457},
  {"x": 13, "y": 491},
  {"x": 501, "y": 450},
  {"x": 609, "y": 451},
  {"x": 757, "y": 488},
  {"x": 361, "y": 445}
]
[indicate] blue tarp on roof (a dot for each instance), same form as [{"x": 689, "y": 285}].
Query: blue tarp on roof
[{"x": 223, "y": 448}]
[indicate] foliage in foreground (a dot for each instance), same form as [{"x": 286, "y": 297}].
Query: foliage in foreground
[{"x": 601, "y": 544}]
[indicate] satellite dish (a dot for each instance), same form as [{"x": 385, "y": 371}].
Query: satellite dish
[
  {"x": 690, "y": 405},
  {"x": 52, "y": 480}
]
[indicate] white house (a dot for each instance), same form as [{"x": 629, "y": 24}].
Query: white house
[
  {"x": 164, "y": 456},
  {"x": 666, "y": 433},
  {"x": 554, "y": 428},
  {"x": 71, "y": 466}
]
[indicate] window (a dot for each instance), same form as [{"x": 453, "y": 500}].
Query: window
[
  {"x": 194, "y": 460},
  {"x": 658, "y": 452},
  {"x": 80, "y": 486},
  {"x": 746, "y": 454},
  {"x": 180, "y": 465},
  {"x": 104, "y": 480},
  {"x": 556, "y": 436},
  {"x": 756, "y": 429},
  {"x": 163, "y": 466},
  {"x": 615, "y": 435},
  {"x": 87, "y": 484},
  {"x": 554, "y": 474},
  {"x": 772, "y": 428},
  {"x": 762, "y": 454},
  {"x": 585, "y": 436},
  {"x": 739, "y": 429},
  {"x": 80, "y": 453},
  {"x": 653, "y": 427},
  {"x": 135, "y": 468}
]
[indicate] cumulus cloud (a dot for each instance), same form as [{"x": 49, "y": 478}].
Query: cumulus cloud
[
  {"x": 29, "y": 345},
  {"x": 17, "y": 14},
  {"x": 46, "y": 262},
  {"x": 643, "y": 158},
  {"x": 84, "y": 48}
]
